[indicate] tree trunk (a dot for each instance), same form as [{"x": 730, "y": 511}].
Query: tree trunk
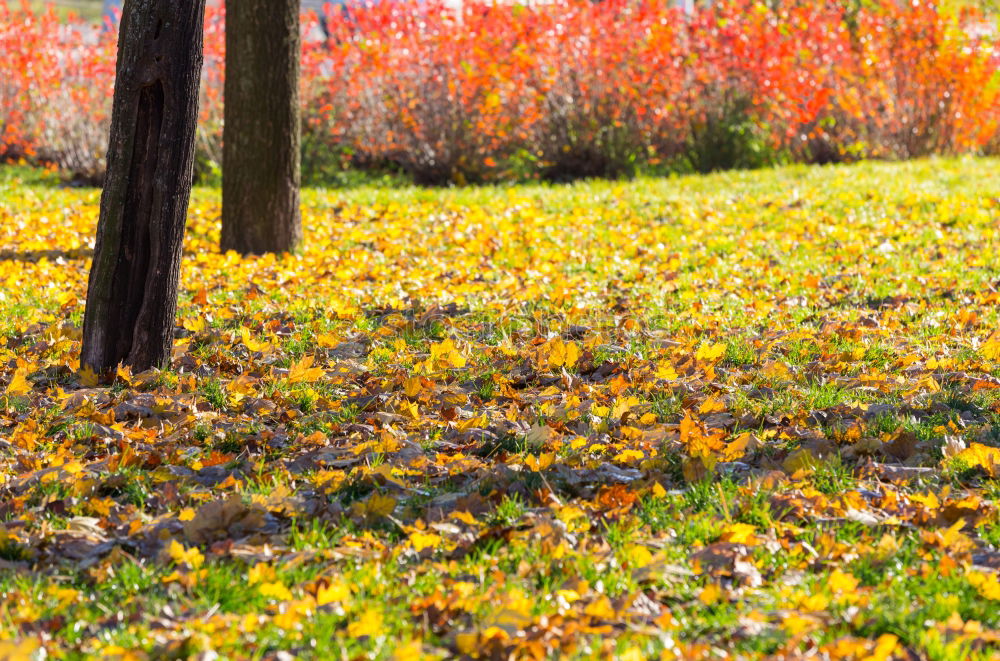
[
  {"x": 260, "y": 154},
  {"x": 132, "y": 295}
]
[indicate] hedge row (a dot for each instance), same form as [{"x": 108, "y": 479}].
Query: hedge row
[{"x": 561, "y": 88}]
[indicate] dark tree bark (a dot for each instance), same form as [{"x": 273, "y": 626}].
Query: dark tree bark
[
  {"x": 132, "y": 295},
  {"x": 260, "y": 155}
]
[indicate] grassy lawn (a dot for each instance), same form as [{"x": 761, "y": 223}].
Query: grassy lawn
[{"x": 751, "y": 414}]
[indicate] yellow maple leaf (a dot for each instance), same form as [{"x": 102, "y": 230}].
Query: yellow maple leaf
[
  {"x": 601, "y": 609},
  {"x": 472, "y": 423},
  {"x": 775, "y": 369},
  {"x": 380, "y": 505},
  {"x": 19, "y": 384},
  {"x": 124, "y": 372},
  {"x": 540, "y": 462},
  {"x": 369, "y": 624},
  {"x": 666, "y": 371},
  {"x": 275, "y": 590},
  {"x": 740, "y": 533},
  {"x": 982, "y": 456},
  {"x": 699, "y": 441},
  {"x": 446, "y": 354},
  {"x": 463, "y": 516},
  {"x": 337, "y": 591},
  {"x": 991, "y": 347},
  {"x": 623, "y": 405},
  {"x": 801, "y": 459},
  {"x": 713, "y": 404},
  {"x": 303, "y": 371},
  {"x": 252, "y": 344},
  {"x": 563, "y": 354},
  {"x": 261, "y": 573},
  {"x": 412, "y": 651},
  {"x": 842, "y": 582},
  {"x": 424, "y": 540},
  {"x": 327, "y": 340},
  {"x": 630, "y": 455},
  {"x": 467, "y": 642},
  {"x": 25, "y": 649},
  {"x": 181, "y": 555},
  {"x": 737, "y": 448},
  {"x": 987, "y": 584},
  {"x": 412, "y": 386},
  {"x": 711, "y": 352},
  {"x": 88, "y": 377},
  {"x": 710, "y": 594},
  {"x": 638, "y": 556},
  {"x": 885, "y": 648},
  {"x": 409, "y": 409},
  {"x": 633, "y": 653}
]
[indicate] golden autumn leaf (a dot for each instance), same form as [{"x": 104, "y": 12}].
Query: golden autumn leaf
[
  {"x": 88, "y": 377},
  {"x": 182, "y": 555},
  {"x": 711, "y": 352},
  {"x": 412, "y": 386},
  {"x": 328, "y": 340},
  {"x": 841, "y": 582},
  {"x": 411, "y": 651},
  {"x": 254, "y": 345},
  {"x": 409, "y": 409},
  {"x": 275, "y": 590},
  {"x": 26, "y": 649},
  {"x": 666, "y": 371},
  {"x": 541, "y": 462},
  {"x": 740, "y": 533},
  {"x": 601, "y": 608},
  {"x": 421, "y": 540},
  {"x": 776, "y": 370},
  {"x": 986, "y": 584},
  {"x": 710, "y": 594},
  {"x": 369, "y": 623},
  {"x": 19, "y": 384},
  {"x": 699, "y": 441},
  {"x": 124, "y": 372},
  {"x": 303, "y": 371},
  {"x": 713, "y": 404},
  {"x": 380, "y": 505},
  {"x": 563, "y": 354},
  {"x": 981, "y": 456},
  {"x": 337, "y": 591},
  {"x": 445, "y": 354},
  {"x": 990, "y": 349}
]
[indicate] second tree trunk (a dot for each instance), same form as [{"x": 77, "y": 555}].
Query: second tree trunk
[{"x": 261, "y": 160}]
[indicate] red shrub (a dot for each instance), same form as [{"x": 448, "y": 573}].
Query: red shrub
[
  {"x": 55, "y": 90},
  {"x": 562, "y": 88}
]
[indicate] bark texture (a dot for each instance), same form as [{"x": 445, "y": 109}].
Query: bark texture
[
  {"x": 132, "y": 295},
  {"x": 260, "y": 155}
]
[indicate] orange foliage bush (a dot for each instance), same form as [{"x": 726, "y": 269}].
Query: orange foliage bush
[{"x": 564, "y": 88}]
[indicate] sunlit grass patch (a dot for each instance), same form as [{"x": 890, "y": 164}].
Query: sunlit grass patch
[{"x": 644, "y": 418}]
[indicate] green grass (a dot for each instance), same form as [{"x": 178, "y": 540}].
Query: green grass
[{"x": 702, "y": 475}]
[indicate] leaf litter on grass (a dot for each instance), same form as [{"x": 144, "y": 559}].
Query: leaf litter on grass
[{"x": 750, "y": 414}]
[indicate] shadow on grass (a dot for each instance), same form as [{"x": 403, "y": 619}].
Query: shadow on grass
[{"x": 51, "y": 255}]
